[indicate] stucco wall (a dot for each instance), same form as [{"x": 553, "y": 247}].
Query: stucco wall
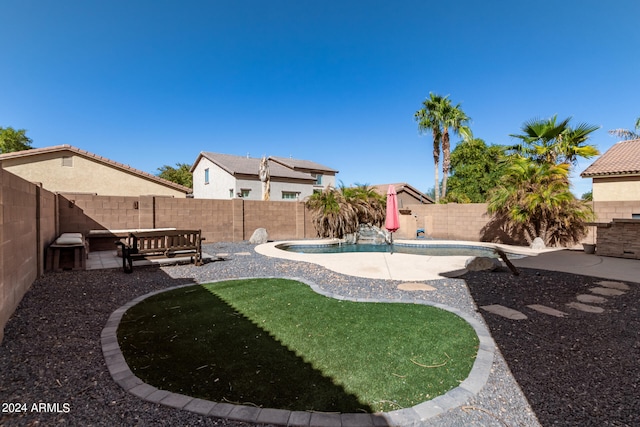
[
  {"x": 616, "y": 189},
  {"x": 220, "y": 181},
  {"x": 84, "y": 176}
]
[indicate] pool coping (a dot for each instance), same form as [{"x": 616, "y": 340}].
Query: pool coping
[{"x": 414, "y": 416}]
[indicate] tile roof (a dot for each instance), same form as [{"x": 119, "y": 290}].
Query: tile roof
[
  {"x": 403, "y": 186},
  {"x": 621, "y": 159},
  {"x": 240, "y": 165},
  {"x": 302, "y": 164},
  {"x": 84, "y": 153}
]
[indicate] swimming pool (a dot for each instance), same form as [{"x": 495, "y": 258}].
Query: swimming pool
[{"x": 436, "y": 249}]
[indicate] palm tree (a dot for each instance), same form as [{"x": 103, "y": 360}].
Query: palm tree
[
  {"x": 547, "y": 141},
  {"x": 534, "y": 200},
  {"x": 331, "y": 215},
  {"x": 369, "y": 205},
  {"x": 337, "y": 212},
  {"x": 429, "y": 119},
  {"x": 626, "y": 133},
  {"x": 456, "y": 119}
]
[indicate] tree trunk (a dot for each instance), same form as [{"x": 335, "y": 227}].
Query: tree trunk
[
  {"x": 436, "y": 163},
  {"x": 446, "y": 160}
]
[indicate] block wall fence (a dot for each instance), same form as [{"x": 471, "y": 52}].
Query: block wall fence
[
  {"x": 27, "y": 227},
  {"x": 31, "y": 218}
]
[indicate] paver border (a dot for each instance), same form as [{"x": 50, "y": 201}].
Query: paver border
[{"x": 414, "y": 416}]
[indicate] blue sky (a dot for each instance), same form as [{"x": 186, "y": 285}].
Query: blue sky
[{"x": 152, "y": 83}]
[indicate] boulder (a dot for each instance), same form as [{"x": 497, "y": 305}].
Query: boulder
[
  {"x": 481, "y": 263},
  {"x": 259, "y": 236},
  {"x": 537, "y": 244},
  {"x": 369, "y": 234}
]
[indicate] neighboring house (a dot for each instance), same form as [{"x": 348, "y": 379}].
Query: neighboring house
[
  {"x": 407, "y": 195},
  {"x": 225, "y": 176},
  {"x": 616, "y": 174},
  {"x": 324, "y": 176},
  {"x": 67, "y": 169}
]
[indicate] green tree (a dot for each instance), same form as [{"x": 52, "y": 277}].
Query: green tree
[
  {"x": 588, "y": 196},
  {"x": 453, "y": 118},
  {"x": 14, "y": 140},
  {"x": 627, "y": 133},
  {"x": 475, "y": 170},
  {"x": 181, "y": 174}
]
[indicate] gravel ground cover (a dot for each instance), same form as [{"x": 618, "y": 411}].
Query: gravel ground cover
[
  {"x": 582, "y": 369},
  {"x": 51, "y": 350}
]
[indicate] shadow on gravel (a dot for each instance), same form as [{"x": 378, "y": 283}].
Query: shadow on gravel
[
  {"x": 51, "y": 353},
  {"x": 582, "y": 369}
]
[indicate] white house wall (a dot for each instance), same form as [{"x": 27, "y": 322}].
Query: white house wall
[{"x": 220, "y": 181}]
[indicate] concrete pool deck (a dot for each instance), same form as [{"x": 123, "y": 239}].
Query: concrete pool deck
[
  {"x": 396, "y": 266},
  {"x": 406, "y": 267}
]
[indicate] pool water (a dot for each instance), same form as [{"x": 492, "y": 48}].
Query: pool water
[{"x": 415, "y": 249}]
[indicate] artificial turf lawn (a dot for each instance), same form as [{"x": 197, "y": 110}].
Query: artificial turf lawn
[{"x": 276, "y": 343}]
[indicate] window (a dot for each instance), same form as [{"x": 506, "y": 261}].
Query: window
[
  {"x": 635, "y": 216},
  {"x": 67, "y": 161},
  {"x": 206, "y": 176},
  {"x": 318, "y": 179},
  {"x": 244, "y": 192},
  {"x": 231, "y": 193},
  {"x": 290, "y": 195}
]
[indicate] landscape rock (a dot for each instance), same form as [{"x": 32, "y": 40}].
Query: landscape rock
[
  {"x": 482, "y": 263},
  {"x": 538, "y": 243},
  {"x": 259, "y": 236},
  {"x": 369, "y": 234}
]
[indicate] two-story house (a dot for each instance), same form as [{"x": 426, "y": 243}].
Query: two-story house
[{"x": 225, "y": 176}]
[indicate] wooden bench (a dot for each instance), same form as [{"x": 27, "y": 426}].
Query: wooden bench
[
  {"x": 70, "y": 243},
  {"x": 160, "y": 244}
]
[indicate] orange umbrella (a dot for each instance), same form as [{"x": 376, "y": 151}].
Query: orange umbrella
[{"x": 392, "y": 222}]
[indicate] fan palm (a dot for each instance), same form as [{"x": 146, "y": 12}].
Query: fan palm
[
  {"x": 369, "y": 205},
  {"x": 429, "y": 120},
  {"x": 534, "y": 200},
  {"x": 553, "y": 142},
  {"x": 337, "y": 212},
  {"x": 627, "y": 133},
  {"x": 331, "y": 215}
]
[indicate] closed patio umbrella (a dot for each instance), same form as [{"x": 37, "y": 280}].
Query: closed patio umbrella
[{"x": 392, "y": 222}]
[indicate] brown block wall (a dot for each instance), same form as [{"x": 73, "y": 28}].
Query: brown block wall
[
  {"x": 278, "y": 218},
  {"x": 452, "y": 220},
  {"x": 213, "y": 217},
  {"x": 79, "y": 213},
  {"x": 27, "y": 226},
  {"x": 220, "y": 220},
  {"x": 607, "y": 211}
]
